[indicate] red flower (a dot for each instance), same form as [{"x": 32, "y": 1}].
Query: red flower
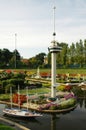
[{"x": 17, "y": 100}]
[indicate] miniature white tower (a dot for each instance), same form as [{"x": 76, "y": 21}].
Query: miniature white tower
[
  {"x": 38, "y": 74},
  {"x": 53, "y": 49}
]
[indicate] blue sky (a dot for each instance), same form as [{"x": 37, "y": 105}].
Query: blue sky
[{"x": 32, "y": 21}]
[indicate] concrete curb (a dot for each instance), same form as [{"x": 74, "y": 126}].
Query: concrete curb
[{"x": 13, "y": 124}]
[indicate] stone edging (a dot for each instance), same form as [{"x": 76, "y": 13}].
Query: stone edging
[{"x": 54, "y": 111}]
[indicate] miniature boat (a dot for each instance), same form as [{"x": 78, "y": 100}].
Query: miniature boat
[
  {"x": 20, "y": 113},
  {"x": 17, "y": 112}
]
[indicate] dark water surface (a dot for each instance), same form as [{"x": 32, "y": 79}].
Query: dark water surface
[{"x": 75, "y": 120}]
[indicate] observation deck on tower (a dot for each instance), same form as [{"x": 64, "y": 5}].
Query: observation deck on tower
[{"x": 54, "y": 47}]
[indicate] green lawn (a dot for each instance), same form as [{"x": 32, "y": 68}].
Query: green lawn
[
  {"x": 4, "y": 96},
  {"x": 64, "y": 71},
  {"x": 59, "y": 71},
  {"x": 30, "y": 92},
  {"x": 5, "y": 127},
  {"x": 36, "y": 91},
  {"x": 71, "y": 71}
]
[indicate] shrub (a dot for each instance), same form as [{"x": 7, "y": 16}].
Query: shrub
[
  {"x": 4, "y": 97},
  {"x": 20, "y": 75},
  {"x": 46, "y": 85},
  {"x": 67, "y": 88},
  {"x": 7, "y": 88},
  {"x": 67, "y": 103},
  {"x": 41, "y": 97},
  {"x": 53, "y": 107},
  {"x": 17, "y": 82},
  {"x": 78, "y": 91},
  {"x": 61, "y": 88}
]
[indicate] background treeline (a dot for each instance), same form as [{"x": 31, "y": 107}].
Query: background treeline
[
  {"x": 73, "y": 56},
  {"x": 9, "y": 59}
]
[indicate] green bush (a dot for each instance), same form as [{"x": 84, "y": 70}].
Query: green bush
[
  {"x": 19, "y": 75},
  {"x": 17, "y": 82},
  {"x": 78, "y": 91},
  {"x": 41, "y": 97},
  {"x": 53, "y": 107},
  {"x": 61, "y": 88},
  {"x": 46, "y": 85},
  {"x": 8, "y": 86},
  {"x": 67, "y": 103},
  {"x": 4, "y": 97}
]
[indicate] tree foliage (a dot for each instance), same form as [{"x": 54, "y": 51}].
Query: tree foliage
[
  {"x": 73, "y": 56},
  {"x": 7, "y": 58}
]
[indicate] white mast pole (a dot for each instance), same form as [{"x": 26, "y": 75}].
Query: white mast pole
[
  {"x": 18, "y": 97},
  {"x": 11, "y": 96},
  {"x": 15, "y": 48},
  {"x": 27, "y": 96}
]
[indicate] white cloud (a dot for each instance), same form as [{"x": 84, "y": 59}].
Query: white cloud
[{"x": 32, "y": 20}]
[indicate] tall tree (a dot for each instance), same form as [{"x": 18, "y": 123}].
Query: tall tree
[
  {"x": 63, "y": 54},
  {"x": 5, "y": 56},
  {"x": 79, "y": 52},
  {"x": 15, "y": 60},
  {"x": 72, "y": 53},
  {"x": 84, "y": 52}
]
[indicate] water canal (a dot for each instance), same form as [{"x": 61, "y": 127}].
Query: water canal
[{"x": 74, "y": 120}]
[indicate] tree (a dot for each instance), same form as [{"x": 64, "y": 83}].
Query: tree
[
  {"x": 79, "y": 53},
  {"x": 5, "y": 56},
  {"x": 63, "y": 54},
  {"x": 84, "y": 51},
  {"x": 40, "y": 59},
  {"x": 15, "y": 60},
  {"x": 72, "y": 54},
  {"x": 37, "y": 61}
]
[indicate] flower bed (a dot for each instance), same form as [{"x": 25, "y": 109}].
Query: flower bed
[{"x": 63, "y": 103}]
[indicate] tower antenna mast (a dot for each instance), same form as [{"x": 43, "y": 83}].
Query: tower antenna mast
[{"x": 54, "y": 33}]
